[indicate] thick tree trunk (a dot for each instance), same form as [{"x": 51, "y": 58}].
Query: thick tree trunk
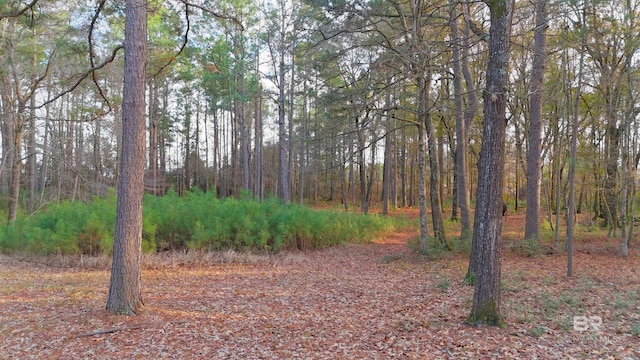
[
  {"x": 124, "y": 292},
  {"x": 532, "y": 217},
  {"x": 488, "y": 220}
]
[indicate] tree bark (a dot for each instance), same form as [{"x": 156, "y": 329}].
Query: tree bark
[
  {"x": 461, "y": 173},
  {"x": 572, "y": 162},
  {"x": 532, "y": 215},
  {"x": 282, "y": 130},
  {"x": 258, "y": 182},
  {"x": 362, "y": 166},
  {"x": 488, "y": 220},
  {"x": 434, "y": 179},
  {"x": 469, "y": 113},
  {"x": 124, "y": 292},
  {"x": 422, "y": 186},
  {"x": 389, "y": 150}
]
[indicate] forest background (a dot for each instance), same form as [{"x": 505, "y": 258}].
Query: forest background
[{"x": 346, "y": 102}]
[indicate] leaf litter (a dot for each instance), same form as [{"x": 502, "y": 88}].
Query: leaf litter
[{"x": 356, "y": 301}]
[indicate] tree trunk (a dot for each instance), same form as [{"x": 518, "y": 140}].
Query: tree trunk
[
  {"x": 422, "y": 186},
  {"x": 488, "y": 220},
  {"x": 8, "y": 140},
  {"x": 290, "y": 142},
  {"x": 572, "y": 162},
  {"x": 461, "y": 193},
  {"x": 532, "y": 216},
  {"x": 463, "y": 178},
  {"x": 282, "y": 130},
  {"x": 154, "y": 122},
  {"x": 16, "y": 168},
  {"x": 388, "y": 157},
  {"x": 124, "y": 291},
  {"x": 303, "y": 142},
  {"x": 372, "y": 169},
  {"x": 434, "y": 174},
  {"x": 31, "y": 156},
  {"x": 244, "y": 138},
  {"x": 187, "y": 142},
  {"x": 362, "y": 166},
  {"x": 258, "y": 182},
  {"x": 628, "y": 173}
]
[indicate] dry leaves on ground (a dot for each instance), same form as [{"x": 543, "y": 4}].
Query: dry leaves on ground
[{"x": 360, "y": 301}]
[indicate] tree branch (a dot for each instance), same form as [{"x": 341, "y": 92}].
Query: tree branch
[
  {"x": 213, "y": 13},
  {"x": 92, "y": 54},
  {"x": 185, "y": 39},
  {"x": 19, "y": 12},
  {"x": 108, "y": 331},
  {"x": 83, "y": 76}
]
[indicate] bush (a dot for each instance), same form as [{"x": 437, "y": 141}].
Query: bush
[
  {"x": 195, "y": 221},
  {"x": 65, "y": 228}
]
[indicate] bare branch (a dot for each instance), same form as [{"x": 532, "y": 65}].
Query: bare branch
[
  {"x": 92, "y": 53},
  {"x": 108, "y": 331},
  {"x": 19, "y": 12},
  {"x": 83, "y": 76},
  {"x": 185, "y": 39},
  {"x": 213, "y": 13}
]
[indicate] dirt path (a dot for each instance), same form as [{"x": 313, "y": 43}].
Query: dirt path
[{"x": 360, "y": 301}]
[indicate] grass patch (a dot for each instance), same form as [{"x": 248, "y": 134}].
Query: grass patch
[
  {"x": 443, "y": 285},
  {"x": 435, "y": 250},
  {"x": 537, "y": 331},
  {"x": 391, "y": 258}
]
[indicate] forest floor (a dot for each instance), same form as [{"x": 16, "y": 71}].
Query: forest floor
[{"x": 357, "y": 301}]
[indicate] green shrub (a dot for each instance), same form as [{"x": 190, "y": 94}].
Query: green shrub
[{"x": 196, "y": 220}]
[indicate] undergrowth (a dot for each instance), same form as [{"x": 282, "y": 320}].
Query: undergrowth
[{"x": 194, "y": 221}]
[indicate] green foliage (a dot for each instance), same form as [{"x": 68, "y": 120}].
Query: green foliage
[
  {"x": 537, "y": 331},
  {"x": 443, "y": 285},
  {"x": 387, "y": 259},
  {"x": 65, "y": 228},
  {"x": 527, "y": 247},
  {"x": 435, "y": 249},
  {"x": 196, "y": 220},
  {"x": 470, "y": 280},
  {"x": 461, "y": 245}
]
